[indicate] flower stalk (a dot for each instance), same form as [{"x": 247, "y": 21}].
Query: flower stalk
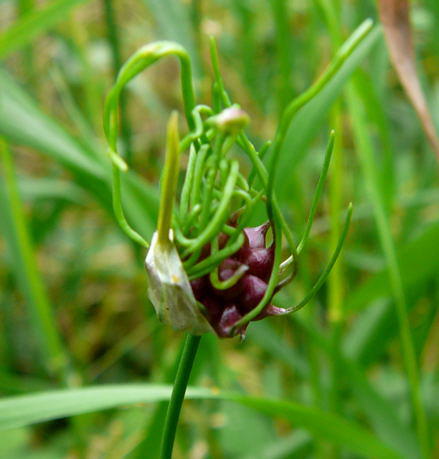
[{"x": 178, "y": 391}]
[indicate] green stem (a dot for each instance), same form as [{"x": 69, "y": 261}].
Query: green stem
[
  {"x": 317, "y": 194},
  {"x": 25, "y": 7},
  {"x": 113, "y": 39},
  {"x": 332, "y": 12},
  {"x": 78, "y": 35},
  {"x": 178, "y": 392},
  {"x": 169, "y": 180},
  {"x": 283, "y": 52}
]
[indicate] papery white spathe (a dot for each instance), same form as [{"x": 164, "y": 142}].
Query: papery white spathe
[{"x": 169, "y": 289}]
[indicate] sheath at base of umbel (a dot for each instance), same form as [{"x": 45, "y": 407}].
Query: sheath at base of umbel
[{"x": 170, "y": 292}]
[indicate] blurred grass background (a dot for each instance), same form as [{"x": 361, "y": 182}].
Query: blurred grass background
[{"x": 73, "y": 306}]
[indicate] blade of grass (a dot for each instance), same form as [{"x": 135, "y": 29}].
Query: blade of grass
[
  {"x": 318, "y": 194},
  {"x": 23, "y": 123},
  {"x": 30, "y": 409},
  {"x": 377, "y": 104},
  {"x": 366, "y": 156},
  {"x": 21, "y": 251},
  {"x": 284, "y": 91},
  {"x": 114, "y": 42},
  {"x": 77, "y": 38},
  {"x": 28, "y": 58},
  {"x": 295, "y": 106},
  {"x": 35, "y": 22},
  {"x": 336, "y": 314},
  {"x": 248, "y": 48},
  {"x": 73, "y": 111}
]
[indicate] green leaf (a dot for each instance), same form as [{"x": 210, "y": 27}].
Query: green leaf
[
  {"x": 22, "y": 32},
  {"x": 30, "y": 409}
]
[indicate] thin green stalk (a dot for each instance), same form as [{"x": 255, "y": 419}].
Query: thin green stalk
[
  {"x": 42, "y": 318},
  {"x": 220, "y": 216},
  {"x": 196, "y": 15},
  {"x": 335, "y": 292},
  {"x": 178, "y": 392},
  {"x": 28, "y": 56},
  {"x": 113, "y": 39},
  {"x": 326, "y": 271},
  {"x": 335, "y": 298},
  {"x": 332, "y": 12},
  {"x": 313, "y": 354},
  {"x": 90, "y": 86},
  {"x": 72, "y": 109},
  {"x": 6, "y": 353},
  {"x": 368, "y": 165},
  {"x": 153, "y": 429},
  {"x": 318, "y": 193},
  {"x": 283, "y": 46},
  {"x": 169, "y": 180},
  {"x": 247, "y": 47}
]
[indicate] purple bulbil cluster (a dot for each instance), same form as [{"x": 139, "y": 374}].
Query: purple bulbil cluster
[{"x": 224, "y": 308}]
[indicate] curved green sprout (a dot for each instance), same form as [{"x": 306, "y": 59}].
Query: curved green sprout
[{"x": 139, "y": 61}]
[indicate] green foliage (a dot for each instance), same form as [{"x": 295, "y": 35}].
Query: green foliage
[{"x": 33, "y": 23}]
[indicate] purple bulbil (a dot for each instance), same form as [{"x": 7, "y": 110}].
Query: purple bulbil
[{"x": 224, "y": 308}]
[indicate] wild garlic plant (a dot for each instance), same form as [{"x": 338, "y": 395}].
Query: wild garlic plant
[{"x": 207, "y": 270}]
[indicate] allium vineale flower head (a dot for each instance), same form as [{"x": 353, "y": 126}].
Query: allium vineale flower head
[{"x": 207, "y": 268}]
